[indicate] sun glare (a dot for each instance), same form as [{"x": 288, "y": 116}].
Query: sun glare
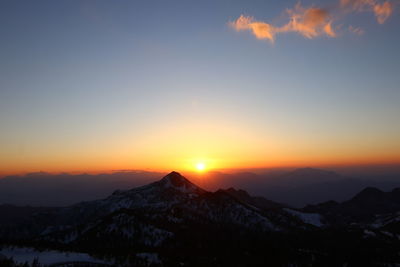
[{"x": 200, "y": 166}]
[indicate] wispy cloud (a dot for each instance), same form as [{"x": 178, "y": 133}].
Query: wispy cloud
[
  {"x": 356, "y": 30},
  {"x": 261, "y": 30},
  {"x": 309, "y": 22},
  {"x": 314, "y": 21},
  {"x": 382, "y": 10}
]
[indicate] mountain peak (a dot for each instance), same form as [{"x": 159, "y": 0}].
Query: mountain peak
[
  {"x": 369, "y": 194},
  {"x": 175, "y": 178},
  {"x": 239, "y": 192},
  {"x": 177, "y": 181},
  {"x": 371, "y": 190}
]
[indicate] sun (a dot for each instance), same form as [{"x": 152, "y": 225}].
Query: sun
[{"x": 200, "y": 166}]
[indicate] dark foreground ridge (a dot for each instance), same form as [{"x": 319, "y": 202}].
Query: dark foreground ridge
[{"x": 174, "y": 222}]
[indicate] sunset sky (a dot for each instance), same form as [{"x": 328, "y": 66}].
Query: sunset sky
[{"x": 166, "y": 85}]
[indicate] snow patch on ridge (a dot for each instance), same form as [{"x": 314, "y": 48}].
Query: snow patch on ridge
[{"x": 309, "y": 218}]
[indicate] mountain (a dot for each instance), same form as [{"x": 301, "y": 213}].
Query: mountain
[
  {"x": 306, "y": 176},
  {"x": 44, "y": 189},
  {"x": 155, "y": 211},
  {"x": 364, "y": 206},
  {"x": 180, "y": 224},
  {"x": 259, "y": 202},
  {"x": 305, "y": 186},
  {"x": 296, "y": 188}
]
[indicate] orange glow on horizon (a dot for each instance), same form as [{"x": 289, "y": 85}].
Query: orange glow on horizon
[
  {"x": 181, "y": 145},
  {"x": 189, "y": 166}
]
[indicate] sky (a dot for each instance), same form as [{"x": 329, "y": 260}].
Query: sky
[{"x": 165, "y": 85}]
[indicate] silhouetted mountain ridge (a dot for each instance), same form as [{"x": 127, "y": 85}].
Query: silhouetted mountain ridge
[
  {"x": 311, "y": 173},
  {"x": 297, "y": 187},
  {"x": 170, "y": 200},
  {"x": 171, "y": 216},
  {"x": 364, "y": 206},
  {"x": 259, "y": 202}
]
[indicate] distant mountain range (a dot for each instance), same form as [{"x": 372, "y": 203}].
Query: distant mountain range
[
  {"x": 169, "y": 200},
  {"x": 362, "y": 207},
  {"x": 185, "y": 225},
  {"x": 297, "y": 187}
]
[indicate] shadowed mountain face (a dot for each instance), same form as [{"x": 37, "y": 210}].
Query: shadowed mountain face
[{"x": 172, "y": 216}]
